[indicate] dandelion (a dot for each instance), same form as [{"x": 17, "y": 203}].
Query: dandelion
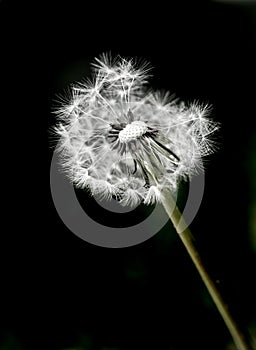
[{"x": 119, "y": 139}]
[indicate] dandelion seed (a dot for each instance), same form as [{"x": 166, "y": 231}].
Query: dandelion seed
[{"x": 118, "y": 138}]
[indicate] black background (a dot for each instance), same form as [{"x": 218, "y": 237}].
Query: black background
[{"x": 59, "y": 292}]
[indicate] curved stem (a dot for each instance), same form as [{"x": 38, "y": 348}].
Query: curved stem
[{"x": 188, "y": 241}]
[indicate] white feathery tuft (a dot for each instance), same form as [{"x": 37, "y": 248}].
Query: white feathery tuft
[{"x": 120, "y": 139}]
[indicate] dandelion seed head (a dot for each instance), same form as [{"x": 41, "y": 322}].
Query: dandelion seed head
[{"x": 119, "y": 139}]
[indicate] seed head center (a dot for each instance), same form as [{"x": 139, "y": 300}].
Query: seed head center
[{"x": 132, "y": 131}]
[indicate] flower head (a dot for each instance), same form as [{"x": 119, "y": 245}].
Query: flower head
[{"x": 122, "y": 140}]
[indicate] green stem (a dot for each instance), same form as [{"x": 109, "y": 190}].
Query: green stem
[{"x": 188, "y": 241}]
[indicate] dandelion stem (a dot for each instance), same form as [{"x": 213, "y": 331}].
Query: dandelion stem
[{"x": 189, "y": 242}]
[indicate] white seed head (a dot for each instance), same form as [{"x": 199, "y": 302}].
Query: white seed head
[{"x": 119, "y": 140}]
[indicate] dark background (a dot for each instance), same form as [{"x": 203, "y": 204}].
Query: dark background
[{"x": 59, "y": 292}]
